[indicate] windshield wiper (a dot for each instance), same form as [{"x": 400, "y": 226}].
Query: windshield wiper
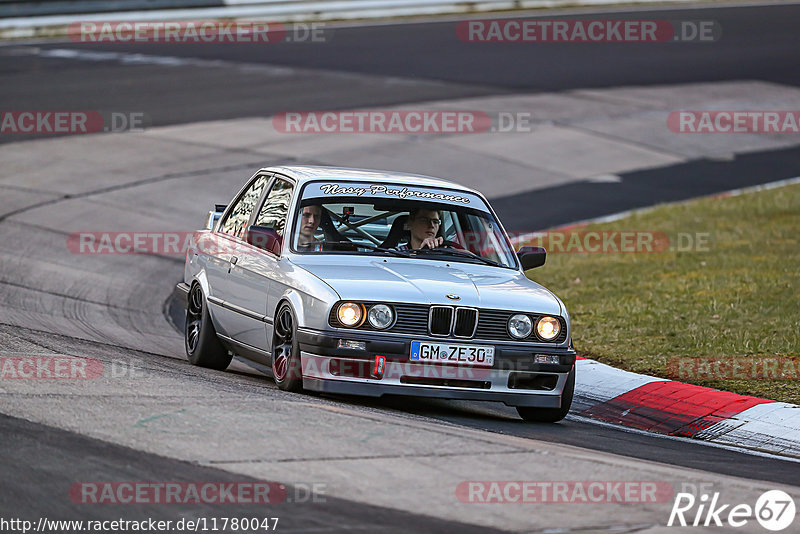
[
  {"x": 364, "y": 245},
  {"x": 462, "y": 253}
]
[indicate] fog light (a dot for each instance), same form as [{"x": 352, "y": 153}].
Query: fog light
[
  {"x": 378, "y": 366},
  {"x": 351, "y": 344},
  {"x": 546, "y": 358}
]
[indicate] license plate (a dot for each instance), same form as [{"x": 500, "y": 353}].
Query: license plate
[{"x": 474, "y": 355}]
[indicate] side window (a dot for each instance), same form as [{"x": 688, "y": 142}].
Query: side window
[
  {"x": 237, "y": 218},
  {"x": 276, "y": 207}
]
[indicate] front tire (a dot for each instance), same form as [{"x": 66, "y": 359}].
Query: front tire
[
  {"x": 203, "y": 347},
  {"x": 551, "y": 415},
  {"x": 286, "y": 368}
]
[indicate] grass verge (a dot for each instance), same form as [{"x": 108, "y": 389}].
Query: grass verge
[{"x": 712, "y": 301}]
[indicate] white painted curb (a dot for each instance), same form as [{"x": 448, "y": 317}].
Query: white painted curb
[{"x": 770, "y": 426}]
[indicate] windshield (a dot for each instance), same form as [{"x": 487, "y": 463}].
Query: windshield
[{"x": 357, "y": 218}]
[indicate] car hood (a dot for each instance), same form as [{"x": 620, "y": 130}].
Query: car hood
[{"x": 430, "y": 282}]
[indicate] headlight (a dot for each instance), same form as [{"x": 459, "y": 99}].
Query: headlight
[
  {"x": 380, "y": 316},
  {"x": 350, "y": 314},
  {"x": 548, "y": 328},
  {"x": 520, "y": 326}
]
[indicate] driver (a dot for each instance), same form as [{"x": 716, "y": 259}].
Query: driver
[
  {"x": 311, "y": 217},
  {"x": 423, "y": 225}
]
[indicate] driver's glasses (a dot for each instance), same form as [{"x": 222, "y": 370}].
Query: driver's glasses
[{"x": 427, "y": 220}]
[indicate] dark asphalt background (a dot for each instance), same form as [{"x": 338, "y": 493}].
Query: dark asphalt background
[{"x": 757, "y": 43}]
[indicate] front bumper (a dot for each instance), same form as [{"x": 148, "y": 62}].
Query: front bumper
[
  {"x": 514, "y": 379},
  {"x": 377, "y": 389},
  {"x": 181, "y": 292}
]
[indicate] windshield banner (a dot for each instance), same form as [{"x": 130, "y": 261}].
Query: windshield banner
[{"x": 391, "y": 191}]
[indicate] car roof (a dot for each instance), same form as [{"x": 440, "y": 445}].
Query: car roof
[{"x": 306, "y": 173}]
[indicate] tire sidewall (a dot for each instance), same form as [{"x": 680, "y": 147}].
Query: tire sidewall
[
  {"x": 194, "y": 356},
  {"x": 294, "y": 377},
  {"x": 208, "y": 352}
]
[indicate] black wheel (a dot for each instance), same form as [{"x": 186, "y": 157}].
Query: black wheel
[
  {"x": 551, "y": 415},
  {"x": 203, "y": 347},
  {"x": 286, "y": 368}
]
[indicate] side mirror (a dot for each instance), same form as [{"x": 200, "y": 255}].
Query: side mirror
[
  {"x": 264, "y": 238},
  {"x": 214, "y": 215},
  {"x": 531, "y": 257}
]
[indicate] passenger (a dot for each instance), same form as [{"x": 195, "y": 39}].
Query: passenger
[{"x": 311, "y": 217}]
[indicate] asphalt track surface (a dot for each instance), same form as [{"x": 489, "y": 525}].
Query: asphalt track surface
[
  {"x": 759, "y": 43},
  {"x": 582, "y": 200},
  {"x": 63, "y": 457}
]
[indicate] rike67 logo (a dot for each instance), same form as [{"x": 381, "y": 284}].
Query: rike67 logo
[{"x": 774, "y": 510}]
